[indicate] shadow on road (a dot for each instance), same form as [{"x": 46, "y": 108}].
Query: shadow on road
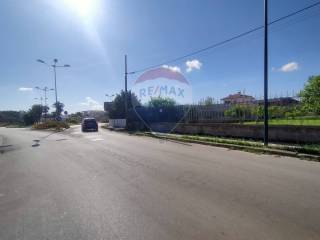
[
  {"x": 6, "y": 148},
  {"x": 36, "y": 144},
  {"x": 37, "y": 141}
]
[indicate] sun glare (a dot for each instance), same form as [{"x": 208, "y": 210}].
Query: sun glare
[
  {"x": 86, "y": 9},
  {"x": 88, "y": 14}
]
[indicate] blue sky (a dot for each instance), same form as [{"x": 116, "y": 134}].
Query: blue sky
[{"x": 93, "y": 38}]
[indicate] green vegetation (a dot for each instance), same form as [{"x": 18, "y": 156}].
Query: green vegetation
[
  {"x": 255, "y": 112},
  {"x": 118, "y": 105},
  {"x": 33, "y": 115},
  {"x": 208, "y": 101},
  {"x": 310, "y": 95},
  {"x": 295, "y": 122},
  {"x": 56, "y": 125},
  {"x": 310, "y": 149},
  {"x": 26, "y": 118},
  {"x": 10, "y": 118},
  {"x": 59, "y": 109},
  {"x": 306, "y": 113},
  {"x": 159, "y": 102},
  {"x": 235, "y": 141},
  {"x": 22, "y": 118},
  {"x": 305, "y": 148},
  {"x": 241, "y": 112},
  {"x": 75, "y": 118}
]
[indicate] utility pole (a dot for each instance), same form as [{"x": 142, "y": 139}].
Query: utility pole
[
  {"x": 45, "y": 103},
  {"x": 54, "y": 66},
  {"x": 266, "y": 115},
  {"x": 39, "y": 101},
  {"x": 45, "y": 90},
  {"x": 109, "y": 97},
  {"x": 55, "y": 83},
  {"x": 126, "y": 87}
]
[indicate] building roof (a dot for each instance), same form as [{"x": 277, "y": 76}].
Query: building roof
[{"x": 236, "y": 96}]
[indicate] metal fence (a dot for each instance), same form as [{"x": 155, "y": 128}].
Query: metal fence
[{"x": 279, "y": 108}]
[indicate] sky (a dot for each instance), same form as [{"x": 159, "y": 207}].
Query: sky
[{"x": 94, "y": 35}]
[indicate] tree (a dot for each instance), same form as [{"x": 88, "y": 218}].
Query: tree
[
  {"x": 11, "y": 117},
  {"x": 65, "y": 112},
  {"x": 33, "y": 115},
  {"x": 258, "y": 112},
  {"x": 59, "y": 109},
  {"x": 36, "y": 112},
  {"x": 27, "y": 119},
  {"x": 75, "y": 118},
  {"x": 118, "y": 105},
  {"x": 310, "y": 95},
  {"x": 208, "y": 101},
  {"x": 45, "y": 109},
  {"x": 240, "y": 112},
  {"x": 159, "y": 102}
]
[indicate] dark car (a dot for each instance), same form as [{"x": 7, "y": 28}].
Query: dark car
[{"x": 89, "y": 124}]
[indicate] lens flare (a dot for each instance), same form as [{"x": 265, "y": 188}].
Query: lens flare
[{"x": 86, "y": 9}]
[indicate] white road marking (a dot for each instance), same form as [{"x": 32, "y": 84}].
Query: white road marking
[
  {"x": 92, "y": 136},
  {"x": 75, "y": 133},
  {"x": 97, "y": 139}
]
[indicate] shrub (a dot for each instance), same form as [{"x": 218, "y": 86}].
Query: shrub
[
  {"x": 51, "y": 125},
  {"x": 310, "y": 96},
  {"x": 240, "y": 112},
  {"x": 73, "y": 120}
]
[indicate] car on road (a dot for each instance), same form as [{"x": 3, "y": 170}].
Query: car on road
[{"x": 89, "y": 124}]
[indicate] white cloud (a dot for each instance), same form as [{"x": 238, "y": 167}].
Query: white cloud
[
  {"x": 172, "y": 68},
  {"x": 91, "y": 104},
  {"x": 194, "y": 64},
  {"x": 25, "y": 89},
  {"x": 289, "y": 67}
]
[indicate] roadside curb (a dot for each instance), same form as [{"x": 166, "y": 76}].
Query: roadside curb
[
  {"x": 50, "y": 130},
  {"x": 264, "y": 150},
  {"x": 114, "y": 129}
]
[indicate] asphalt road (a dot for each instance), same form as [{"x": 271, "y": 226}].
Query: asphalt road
[{"x": 110, "y": 185}]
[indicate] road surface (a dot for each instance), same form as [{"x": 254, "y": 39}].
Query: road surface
[{"x": 110, "y": 185}]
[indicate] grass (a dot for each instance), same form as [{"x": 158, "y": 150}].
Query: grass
[
  {"x": 302, "y": 149},
  {"x": 294, "y": 122},
  {"x": 241, "y": 142},
  {"x": 310, "y": 149}
]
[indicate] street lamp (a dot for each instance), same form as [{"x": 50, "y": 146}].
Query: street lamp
[
  {"x": 109, "y": 96},
  {"x": 45, "y": 90},
  {"x": 54, "y": 66},
  {"x": 266, "y": 59},
  {"x": 40, "y": 100},
  {"x": 126, "y": 73}
]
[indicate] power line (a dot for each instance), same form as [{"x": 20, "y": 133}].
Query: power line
[
  {"x": 295, "y": 13},
  {"x": 227, "y": 40}
]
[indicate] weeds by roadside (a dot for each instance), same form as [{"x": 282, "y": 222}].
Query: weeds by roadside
[
  {"x": 305, "y": 148},
  {"x": 51, "y": 125},
  {"x": 306, "y": 151}
]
